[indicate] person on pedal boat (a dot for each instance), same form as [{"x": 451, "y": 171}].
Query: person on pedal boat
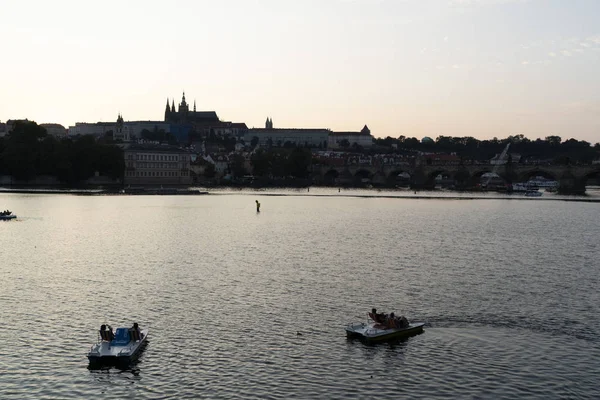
[{"x": 379, "y": 318}]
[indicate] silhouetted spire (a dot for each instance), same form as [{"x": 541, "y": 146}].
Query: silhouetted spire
[
  {"x": 173, "y": 106},
  {"x": 183, "y": 103},
  {"x": 269, "y": 123},
  {"x": 194, "y": 105},
  {"x": 183, "y": 106},
  {"x": 167, "y": 110}
]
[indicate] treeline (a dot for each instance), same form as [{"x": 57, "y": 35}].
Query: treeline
[
  {"x": 28, "y": 152},
  {"x": 282, "y": 162},
  {"x": 274, "y": 163},
  {"x": 551, "y": 149}
]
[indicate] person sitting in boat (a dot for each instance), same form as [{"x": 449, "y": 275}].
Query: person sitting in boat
[
  {"x": 395, "y": 322},
  {"x": 379, "y": 318},
  {"x": 392, "y": 321},
  {"x": 107, "y": 335},
  {"x": 111, "y": 334},
  {"x": 402, "y": 322},
  {"x": 136, "y": 333}
]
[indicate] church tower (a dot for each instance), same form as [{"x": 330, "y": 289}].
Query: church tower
[
  {"x": 183, "y": 106},
  {"x": 167, "y": 110},
  {"x": 119, "y": 134}
]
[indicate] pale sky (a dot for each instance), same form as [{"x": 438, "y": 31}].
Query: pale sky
[{"x": 479, "y": 68}]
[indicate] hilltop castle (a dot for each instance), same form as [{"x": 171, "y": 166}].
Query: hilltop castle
[{"x": 184, "y": 116}]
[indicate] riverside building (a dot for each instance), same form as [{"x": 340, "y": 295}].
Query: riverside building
[
  {"x": 148, "y": 164},
  {"x": 270, "y": 136},
  {"x": 362, "y": 138}
]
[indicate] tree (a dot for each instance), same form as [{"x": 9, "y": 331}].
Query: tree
[
  {"x": 210, "y": 170},
  {"x": 237, "y": 165},
  {"x": 298, "y": 162},
  {"x": 22, "y": 149},
  {"x": 344, "y": 143},
  {"x": 554, "y": 140},
  {"x": 260, "y": 163},
  {"x": 254, "y": 141},
  {"x": 28, "y": 152}
]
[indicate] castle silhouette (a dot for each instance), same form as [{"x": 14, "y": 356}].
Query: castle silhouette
[{"x": 184, "y": 116}]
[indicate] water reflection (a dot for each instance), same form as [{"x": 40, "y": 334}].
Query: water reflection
[
  {"x": 132, "y": 367},
  {"x": 509, "y": 289}
]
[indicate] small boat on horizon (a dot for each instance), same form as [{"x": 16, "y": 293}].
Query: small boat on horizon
[{"x": 7, "y": 215}]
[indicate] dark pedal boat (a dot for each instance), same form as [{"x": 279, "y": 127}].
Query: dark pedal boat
[
  {"x": 375, "y": 332},
  {"x": 124, "y": 348}
]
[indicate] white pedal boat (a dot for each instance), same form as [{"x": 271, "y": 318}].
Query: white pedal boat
[
  {"x": 375, "y": 332},
  {"x": 124, "y": 348}
]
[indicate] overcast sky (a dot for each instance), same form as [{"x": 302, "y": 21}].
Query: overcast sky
[{"x": 479, "y": 68}]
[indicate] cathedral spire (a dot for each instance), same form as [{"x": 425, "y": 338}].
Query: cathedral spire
[
  {"x": 173, "y": 106},
  {"x": 183, "y": 106},
  {"x": 194, "y": 105}
]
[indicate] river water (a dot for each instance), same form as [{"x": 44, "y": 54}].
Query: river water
[{"x": 253, "y": 306}]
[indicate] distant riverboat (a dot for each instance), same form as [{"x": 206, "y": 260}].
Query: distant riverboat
[
  {"x": 7, "y": 215},
  {"x": 533, "y": 193}
]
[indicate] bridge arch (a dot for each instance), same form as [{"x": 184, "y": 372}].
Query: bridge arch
[
  {"x": 475, "y": 179},
  {"x": 399, "y": 177},
  {"x": 591, "y": 178},
  {"x": 569, "y": 184},
  {"x": 363, "y": 176},
  {"x": 447, "y": 178}
]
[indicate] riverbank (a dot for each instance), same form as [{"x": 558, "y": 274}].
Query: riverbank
[
  {"x": 104, "y": 192},
  {"x": 592, "y": 197}
]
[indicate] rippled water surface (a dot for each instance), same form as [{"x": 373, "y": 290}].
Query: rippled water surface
[{"x": 247, "y": 305}]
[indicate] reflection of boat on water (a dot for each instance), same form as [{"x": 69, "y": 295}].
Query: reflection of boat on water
[{"x": 123, "y": 347}]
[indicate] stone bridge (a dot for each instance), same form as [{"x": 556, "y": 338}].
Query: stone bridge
[{"x": 571, "y": 178}]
